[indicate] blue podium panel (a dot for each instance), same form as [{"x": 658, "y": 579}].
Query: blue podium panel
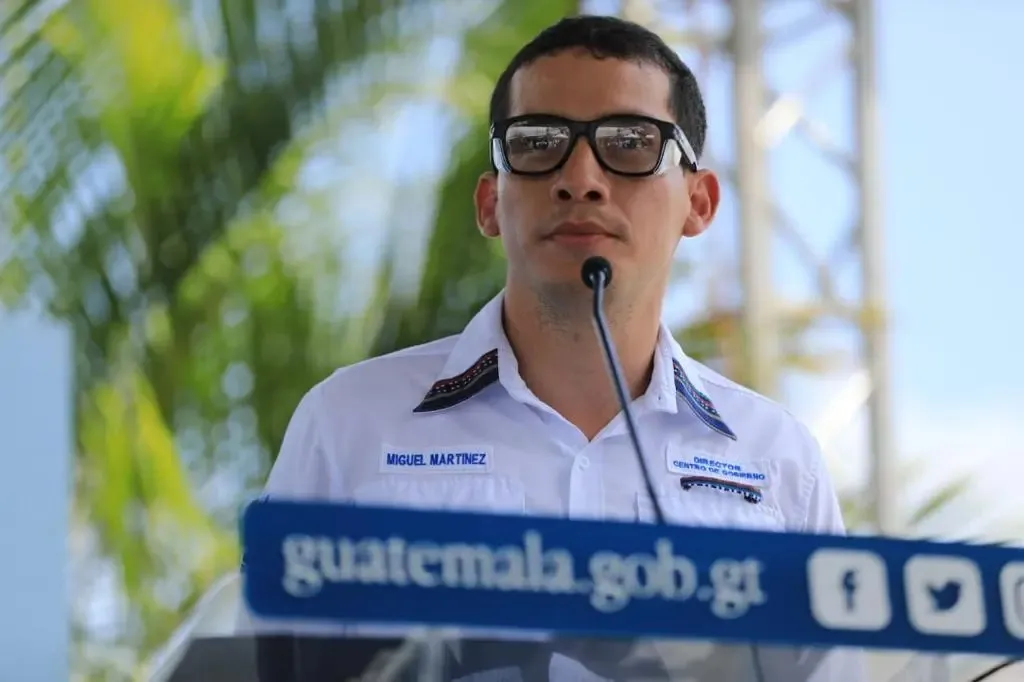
[{"x": 348, "y": 564}]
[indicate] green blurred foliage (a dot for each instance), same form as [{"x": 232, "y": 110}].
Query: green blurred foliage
[{"x": 148, "y": 149}]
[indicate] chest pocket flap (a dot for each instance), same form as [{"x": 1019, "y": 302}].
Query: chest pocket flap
[
  {"x": 495, "y": 494},
  {"x": 700, "y": 490}
]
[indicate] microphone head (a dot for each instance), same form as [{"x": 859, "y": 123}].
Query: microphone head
[{"x": 594, "y": 266}]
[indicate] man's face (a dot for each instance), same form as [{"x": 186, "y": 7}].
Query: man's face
[{"x": 634, "y": 222}]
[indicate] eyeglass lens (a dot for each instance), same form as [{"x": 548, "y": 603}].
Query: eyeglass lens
[{"x": 626, "y": 146}]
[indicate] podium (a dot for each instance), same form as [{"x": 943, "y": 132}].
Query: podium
[
  {"x": 283, "y": 658},
  {"x": 437, "y": 657},
  {"x": 344, "y": 592}
]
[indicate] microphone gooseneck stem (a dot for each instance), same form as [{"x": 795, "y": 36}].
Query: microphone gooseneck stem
[
  {"x": 600, "y": 282},
  {"x": 597, "y": 273}
]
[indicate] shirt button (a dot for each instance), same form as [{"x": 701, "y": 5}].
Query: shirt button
[{"x": 583, "y": 463}]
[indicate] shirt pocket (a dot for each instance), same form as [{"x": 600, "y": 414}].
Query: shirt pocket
[
  {"x": 717, "y": 506},
  {"x": 487, "y": 494}
]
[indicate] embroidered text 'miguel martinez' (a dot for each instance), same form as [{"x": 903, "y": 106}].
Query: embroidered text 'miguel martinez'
[{"x": 419, "y": 459}]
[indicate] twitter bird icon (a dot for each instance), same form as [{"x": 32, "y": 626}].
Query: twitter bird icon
[{"x": 944, "y": 595}]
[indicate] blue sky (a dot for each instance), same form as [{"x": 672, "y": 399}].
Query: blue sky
[
  {"x": 951, "y": 113},
  {"x": 950, "y": 98},
  {"x": 950, "y": 103},
  {"x": 951, "y": 144}
]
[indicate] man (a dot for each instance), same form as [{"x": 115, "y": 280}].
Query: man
[{"x": 597, "y": 133}]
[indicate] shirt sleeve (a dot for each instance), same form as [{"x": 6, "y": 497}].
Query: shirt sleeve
[
  {"x": 300, "y": 472},
  {"x": 822, "y": 514}
]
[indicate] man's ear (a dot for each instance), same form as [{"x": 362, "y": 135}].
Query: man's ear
[
  {"x": 485, "y": 198},
  {"x": 705, "y": 193}
]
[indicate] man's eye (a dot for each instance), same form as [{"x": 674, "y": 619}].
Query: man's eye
[
  {"x": 628, "y": 140},
  {"x": 534, "y": 144}
]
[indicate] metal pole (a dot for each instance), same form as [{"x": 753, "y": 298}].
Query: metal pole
[
  {"x": 759, "y": 329},
  {"x": 875, "y": 333},
  {"x": 37, "y": 423}
]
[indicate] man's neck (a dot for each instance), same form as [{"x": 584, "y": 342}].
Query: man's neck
[{"x": 561, "y": 360}]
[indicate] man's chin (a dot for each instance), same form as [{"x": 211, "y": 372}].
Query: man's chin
[
  {"x": 567, "y": 264},
  {"x": 566, "y": 288},
  {"x": 562, "y": 272},
  {"x": 570, "y": 277}
]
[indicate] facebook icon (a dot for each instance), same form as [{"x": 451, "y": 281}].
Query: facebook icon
[{"x": 849, "y": 589}]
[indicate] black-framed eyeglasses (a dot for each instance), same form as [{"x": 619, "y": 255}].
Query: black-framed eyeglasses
[{"x": 624, "y": 144}]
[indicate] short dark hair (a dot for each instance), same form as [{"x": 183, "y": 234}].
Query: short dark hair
[{"x": 609, "y": 37}]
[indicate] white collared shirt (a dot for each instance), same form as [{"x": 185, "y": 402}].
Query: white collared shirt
[{"x": 451, "y": 425}]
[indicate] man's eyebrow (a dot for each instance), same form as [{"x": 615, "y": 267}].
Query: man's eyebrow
[
  {"x": 629, "y": 112},
  {"x": 608, "y": 114}
]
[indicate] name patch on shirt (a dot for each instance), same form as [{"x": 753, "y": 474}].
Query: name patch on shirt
[
  {"x": 457, "y": 460},
  {"x": 699, "y": 465}
]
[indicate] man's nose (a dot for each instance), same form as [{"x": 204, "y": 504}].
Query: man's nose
[{"x": 581, "y": 178}]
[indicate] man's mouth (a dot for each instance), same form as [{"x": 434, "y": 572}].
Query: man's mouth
[{"x": 580, "y": 233}]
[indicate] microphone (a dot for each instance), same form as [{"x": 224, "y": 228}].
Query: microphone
[{"x": 597, "y": 274}]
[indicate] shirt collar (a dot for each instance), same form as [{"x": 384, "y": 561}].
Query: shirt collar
[
  {"x": 472, "y": 364},
  {"x": 482, "y": 356}
]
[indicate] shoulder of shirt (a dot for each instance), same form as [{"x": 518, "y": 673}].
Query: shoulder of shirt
[
  {"x": 403, "y": 376},
  {"x": 739, "y": 403},
  {"x": 731, "y": 391}
]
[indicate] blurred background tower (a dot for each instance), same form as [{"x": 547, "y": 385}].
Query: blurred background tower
[{"x": 840, "y": 259}]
